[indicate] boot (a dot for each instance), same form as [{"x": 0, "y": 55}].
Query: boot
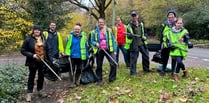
[
  {"x": 72, "y": 83},
  {"x": 184, "y": 74},
  {"x": 28, "y": 97},
  {"x": 77, "y": 78},
  {"x": 175, "y": 77},
  {"x": 41, "y": 94}
]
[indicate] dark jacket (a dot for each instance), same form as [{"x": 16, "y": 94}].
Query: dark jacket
[
  {"x": 28, "y": 50},
  {"x": 137, "y": 41}
]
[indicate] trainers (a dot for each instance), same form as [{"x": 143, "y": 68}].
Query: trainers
[
  {"x": 28, "y": 97},
  {"x": 149, "y": 70},
  {"x": 72, "y": 85},
  {"x": 162, "y": 73},
  {"x": 100, "y": 83}
]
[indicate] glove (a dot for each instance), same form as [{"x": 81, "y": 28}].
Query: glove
[
  {"x": 35, "y": 56},
  {"x": 190, "y": 45},
  {"x": 144, "y": 38}
]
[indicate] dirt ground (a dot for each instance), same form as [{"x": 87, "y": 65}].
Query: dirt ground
[{"x": 56, "y": 91}]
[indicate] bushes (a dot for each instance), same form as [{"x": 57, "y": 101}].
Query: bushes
[{"x": 11, "y": 83}]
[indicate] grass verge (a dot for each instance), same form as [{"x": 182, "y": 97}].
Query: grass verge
[{"x": 145, "y": 88}]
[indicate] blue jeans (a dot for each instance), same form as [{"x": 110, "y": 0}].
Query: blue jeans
[
  {"x": 126, "y": 55},
  {"x": 180, "y": 64}
]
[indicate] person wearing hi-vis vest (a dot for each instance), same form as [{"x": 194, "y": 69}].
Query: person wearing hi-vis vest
[
  {"x": 137, "y": 43},
  {"x": 178, "y": 43},
  {"x": 165, "y": 51},
  {"x": 119, "y": 31},
  {"x": 102, "y": 38},
  {"x": 77, "y": 50},
  {"x": 54, "y": 39}
]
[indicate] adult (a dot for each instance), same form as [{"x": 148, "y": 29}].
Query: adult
[
  {"x": 54, "y": 38},
  {"x": 102, "y": 38},
  {"x": 137, "y": 43},
  {"x": 77, "y": 50},
  {"x": 35, "y": 48},
  {"x": 119, "y": 31},
  {"x": 165, "y": 50}
]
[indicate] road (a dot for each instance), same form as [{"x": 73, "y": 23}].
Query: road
[{"x": 197, "y": 57}]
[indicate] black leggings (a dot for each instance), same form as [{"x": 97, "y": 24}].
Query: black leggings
[{"x": 31, "y": 78}]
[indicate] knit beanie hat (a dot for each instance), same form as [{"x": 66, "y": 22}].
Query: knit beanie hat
[
  {"x": 37, "y": 27},
  {"x": 171, "y": 11}
]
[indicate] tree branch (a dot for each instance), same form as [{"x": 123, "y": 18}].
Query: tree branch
[
  {"x": 94, "y": 5},
  {"x": 79, "y": 4},
  {"x": 108, "y": 4}
]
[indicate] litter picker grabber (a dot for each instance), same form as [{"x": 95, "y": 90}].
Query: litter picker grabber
[
  {"x": 110, "y": 56},
  {"x": 71, "y": 68},
  {"x": 50, "y": 68}
]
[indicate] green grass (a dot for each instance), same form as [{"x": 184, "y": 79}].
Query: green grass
[{"x": 145, "y": 88}]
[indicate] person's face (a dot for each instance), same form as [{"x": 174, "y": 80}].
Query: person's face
[
  {"x": 179, "y": 24},
  {"x": 101, "y": 23},
  {"x": 171, "y": 17},
  {"x": 118, "y": 21},
  {"x": 134, "y": 17},
  {"x": 36, "y": 32},
  {"x": 52, "y": 26},
  {"x": 77, "y": 29}
]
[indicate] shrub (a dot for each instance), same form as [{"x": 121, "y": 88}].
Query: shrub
[{"x": 11, "y": 83}]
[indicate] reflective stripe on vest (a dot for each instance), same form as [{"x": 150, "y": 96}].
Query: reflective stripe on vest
[
  {"x": 82, "y": 45},
  {"x": 166, "y": 30},
  {"x": 60, "y": 43},
  {"x": 110, "y": 44},
  {"x": 181, "y": 48},
  {"x": 129, "y": 41}
]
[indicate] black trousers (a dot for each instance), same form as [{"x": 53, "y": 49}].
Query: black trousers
[
  {"x": 165, "y": 53},
  {"x": 32, "y": 73},
  {"x": 134, "y": 56},
  {"x": 77, "y": 67},
  {"x": 99, "y": 60}
]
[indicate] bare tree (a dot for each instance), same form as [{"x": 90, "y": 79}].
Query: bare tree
[{"x": 99, "y": 6}]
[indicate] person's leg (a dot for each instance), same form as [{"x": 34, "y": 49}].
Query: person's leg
[
  {"x": 113, "y": 69},
  {"x": 173, "y": 65},
  {"x": 133, "y": 62},
  {"x": 80, "y": 66},
  {"x": 165, "y": 56},
  {"x": 99, "y": 61},
  {"x": 40, "y": 80},
  {"x": 125, "y": 55},
  {"x": 145, "y": 58},
  {"x": 30, "y": 84},
  {"x": 117, "y": 55},
  {"x": 179, "y": 65},
  {"x": 31, "y": 78},
  {"x": 182, "y": 66}
]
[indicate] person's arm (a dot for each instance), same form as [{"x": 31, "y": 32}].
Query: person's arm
[
  {"x": 25, "y": 49},
  {"x": 93, "y": 41},
  {"x": 187, "y": 40}
]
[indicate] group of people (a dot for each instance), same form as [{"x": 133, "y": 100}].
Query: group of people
[
  {"x": 106, "y": 42},
  {"x": 175, "y": 42}
]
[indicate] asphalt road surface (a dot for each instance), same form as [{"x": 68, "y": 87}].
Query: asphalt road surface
[{"x": 197, "y": 57}]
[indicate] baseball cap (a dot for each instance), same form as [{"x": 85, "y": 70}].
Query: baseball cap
[{"x": 133, "y": 13}]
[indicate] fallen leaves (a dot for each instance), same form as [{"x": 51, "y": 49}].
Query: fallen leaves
[{"x": 164, "y": 97}]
